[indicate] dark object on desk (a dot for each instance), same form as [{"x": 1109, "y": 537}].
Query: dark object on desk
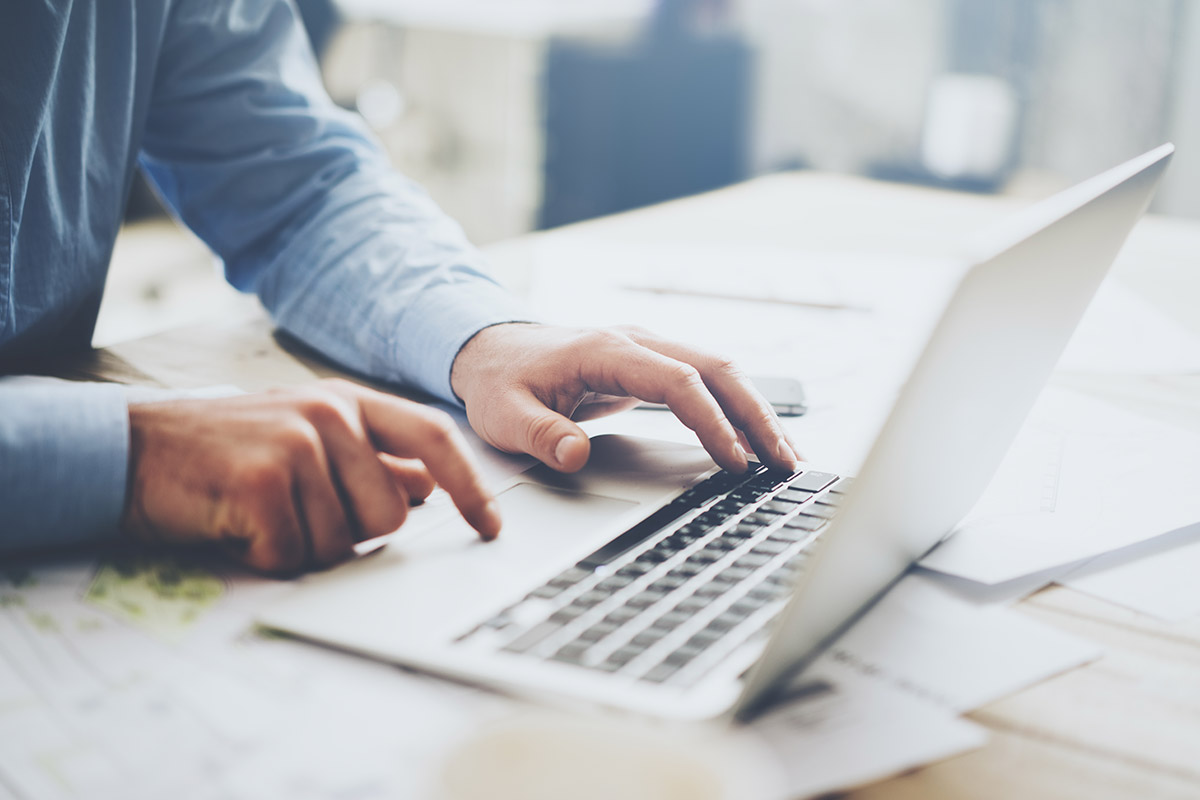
[{"x": 627, "y": 126}]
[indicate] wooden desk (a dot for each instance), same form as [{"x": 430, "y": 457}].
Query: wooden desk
[{"x": 1125, "y": 726}]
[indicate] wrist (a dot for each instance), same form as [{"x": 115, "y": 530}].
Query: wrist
[{"x": 479, "y": 353}]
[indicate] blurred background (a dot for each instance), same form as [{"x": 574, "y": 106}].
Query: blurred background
[{"x": 527, "y": 114}]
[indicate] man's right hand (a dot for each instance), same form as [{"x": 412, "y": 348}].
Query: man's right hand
[{"x": 291, "y": 479}]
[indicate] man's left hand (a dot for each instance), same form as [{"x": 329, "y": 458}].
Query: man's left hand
[{"x": 524, "y": 384}]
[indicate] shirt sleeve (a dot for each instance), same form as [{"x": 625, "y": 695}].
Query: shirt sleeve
[
  {"x": 64, "y": 455},
  {"x": 299, "y": 202}
]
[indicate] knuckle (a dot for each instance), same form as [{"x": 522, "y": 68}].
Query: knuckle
[
  {"x": 685, "y": 375},
  {"x": 603, "y": 339},
  {"x": 299, "y": 440},
  {"x": 260, "y": 478},
  {"x": 280, "y": 552},
  {"x": 340, "y": 385},
  {"x": 393, "y": 517},
  {"x": 542, "y": 434},
  {"x": 440, "y": 429},
  {"x": 725, "y": 367},
  {"x": 632, "y": 331}
]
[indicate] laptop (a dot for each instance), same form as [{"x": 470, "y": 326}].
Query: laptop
[{"x": 652, "y": 582}]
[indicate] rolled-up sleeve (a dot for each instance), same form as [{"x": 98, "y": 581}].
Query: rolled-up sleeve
[
  {"x": 299, "y": 202},
  {"x": 64, "y": 454}
]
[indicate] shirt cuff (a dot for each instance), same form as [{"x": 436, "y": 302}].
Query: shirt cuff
[
  {"x": 65, "y": 461},
  {"x": 440, "y": 321}
]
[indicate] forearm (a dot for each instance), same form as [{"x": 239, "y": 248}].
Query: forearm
[
  {"x": 383, "y": 282},
  {"x": 64, "y": 452},
  {"x": 299, "y": 201}
]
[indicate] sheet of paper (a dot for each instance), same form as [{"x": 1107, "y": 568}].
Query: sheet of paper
[
  {"x": 1122, "y": 332},
  {"x": 845, "y": 730},
  {"x": 101, "y": 695},
  {"x": 1084, "y": 477},
  {"x": 924, "y": 640},
  {"x": 1003, "y": 593},
  {"x": 1160, "y": 577}
]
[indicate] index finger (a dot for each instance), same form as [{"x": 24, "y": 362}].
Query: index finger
[
  {"x": 411, "y": 430},
  {"x": 628, "y": 368},
  {"x": 744, "y": 405}
]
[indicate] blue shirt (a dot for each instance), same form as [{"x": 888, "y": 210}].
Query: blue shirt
[{"x": 222, "y": 105}]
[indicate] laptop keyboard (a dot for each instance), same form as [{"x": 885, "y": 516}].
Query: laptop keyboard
[{"x": 673, "y": 595}]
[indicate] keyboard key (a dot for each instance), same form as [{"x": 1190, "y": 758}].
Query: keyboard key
[
  {"x": 648, "y": 638},
  {"x": 805, "y": 522},
  {"x": 774, "y": 507},
  {"x": 788, "y": 535},
  {"x": 812, "y": 481},
  {"x": 567, "y": 614},
  {"x": 684, "y": 655},
  {"x": 547, "y": 591},
  {"x": 742, "y": 531},
  {"x": 671, "y": 620},
  {"x": 597, "y": 632},
  {"x": 667, "y": 584},
  {"x": 623, "y": 655},
  {"x": 613, "y": 583},
  {"x": 793, "y": 496},
  {"x": 761, "y": 520},
  {"x": 713, "y": 589},
  {"x": 687, "y": 569},
  {"x": 705, "y": 557},
  {"x": 571, "y": 653},
  {"x": 747, "y": 606},
  {"x": 704, "y": 638},
  {"x": 645, "y": 598},
  {"x": 691, "y": 604},
  {"x": 768, "y": 591},
  {"x": 733, "y": 574},
  {"x": 820, "y": 510},
  {"x": 634, "y": 569},
  {"x": 842, "y": 486},
  {"x": 652, "y": 557},
  {"x": 771, "y": 547},
  {"x": 751, "y": 561},
  {"x": 722, "y": 545},
  {"x": 569, "y": 577},
  {"x": 723, "y": 623},
  {"x": 589, "y": 599},
  {"x": 532, "y": 637},
  {"x": 621, "y": 615},
  {"x": 661, "y": 672}
]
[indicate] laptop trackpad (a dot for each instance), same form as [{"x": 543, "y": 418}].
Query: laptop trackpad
[{"x": 529, "y": 506}]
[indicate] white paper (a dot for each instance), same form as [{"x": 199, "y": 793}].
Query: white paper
[
  {"x": 854, "y": 730},
  {"x": 100, "y": 698},
  {"x": 1122, "y": 332},
  {"x": 925, "y": 641},
  {"x": 1160, "y": 577},
  {"x": 1084, "y": 477}
]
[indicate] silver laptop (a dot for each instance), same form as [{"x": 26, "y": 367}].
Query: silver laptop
[{"x": 650, "y": 581}]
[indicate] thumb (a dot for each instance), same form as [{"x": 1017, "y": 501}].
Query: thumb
[{"x": 528, "y": 425}]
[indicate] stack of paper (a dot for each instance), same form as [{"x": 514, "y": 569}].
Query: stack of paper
[{"x": 141, "y": 677}]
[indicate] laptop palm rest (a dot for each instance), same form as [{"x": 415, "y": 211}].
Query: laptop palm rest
[{"x": 437, "y": 578}]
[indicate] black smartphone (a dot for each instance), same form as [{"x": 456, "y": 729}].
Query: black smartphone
[{"x": 786, "y": 395}]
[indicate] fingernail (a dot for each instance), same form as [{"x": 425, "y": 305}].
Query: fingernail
[
  {"x": 491, "y": 513},
  {"x": 563, "y": 449},
  {"x": 785, "y": 453}
]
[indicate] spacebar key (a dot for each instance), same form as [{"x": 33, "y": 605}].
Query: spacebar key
[{"x": 634, "y": 536}]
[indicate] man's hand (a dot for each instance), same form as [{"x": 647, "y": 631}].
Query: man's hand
[
  {"x": 292, "y": 479},
  {"x": 524, "y": 384}
]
